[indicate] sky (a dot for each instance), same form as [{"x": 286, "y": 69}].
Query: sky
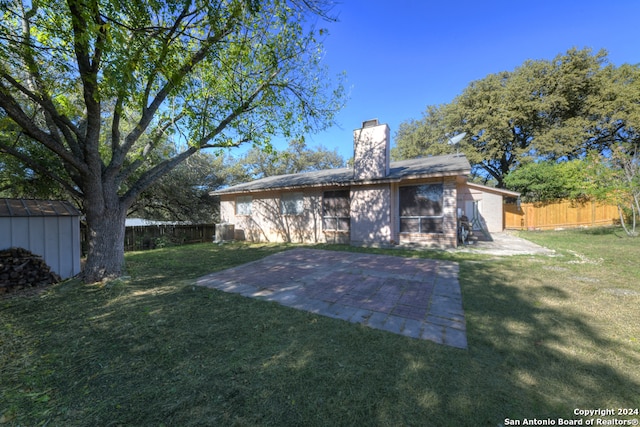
[{"x": 400, "y": 56}]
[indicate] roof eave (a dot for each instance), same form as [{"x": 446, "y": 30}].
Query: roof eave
[
  {"x": 493, "y": 189},
  {"x": 349, "y": 183}
]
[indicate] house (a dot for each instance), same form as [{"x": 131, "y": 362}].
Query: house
[
  {"x": 49, "y": 228},
  {"x": 374, "y": 203}
]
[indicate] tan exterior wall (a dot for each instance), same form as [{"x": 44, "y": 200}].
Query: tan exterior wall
[
  {"x": 374, "y": 217},
  {"x": 371, "y": 215},
  {"x": 267, "y": 224},
  {"x": 371, "y": 154}
]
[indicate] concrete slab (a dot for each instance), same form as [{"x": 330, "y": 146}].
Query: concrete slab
[
  {"x": 505, "y": 244},
  {"x": 418, "y": 298}
]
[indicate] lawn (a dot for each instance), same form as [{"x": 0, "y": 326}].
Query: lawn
[{"x": 547, "y": 335}]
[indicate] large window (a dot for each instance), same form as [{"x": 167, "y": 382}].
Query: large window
[
  {"x": 292, "y": 204},
  {"x": 421, "y": 209},
  {"x": 335, "y": 210},
  {"x": 243, "y": 205}
]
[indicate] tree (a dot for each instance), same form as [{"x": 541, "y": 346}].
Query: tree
[
  {"x": 183, "y": 194},
  {"x": 415, "y": 138},
  {"x": 615, "y": 178},
  {"x": 297, "y": 158},
  {"x": 103, "y": 85},
  {"x": 548, "y": 180},
  {"x": 543, "y": 110}
]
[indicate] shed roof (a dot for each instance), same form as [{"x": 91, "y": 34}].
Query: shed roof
[
  {"x": 31, "y": 207},
  {"x": 423, "y": 167}
]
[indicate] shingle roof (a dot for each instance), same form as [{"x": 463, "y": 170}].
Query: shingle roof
[
  {"x": 423, "y": 167},
  {"x": 29, "y": 207}
]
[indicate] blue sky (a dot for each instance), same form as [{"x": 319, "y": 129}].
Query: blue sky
[{"x": 402, "y": 55}]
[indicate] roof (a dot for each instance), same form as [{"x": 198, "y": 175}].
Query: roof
[
  {"x": 30, "y": 207},
  {"x": 500, "y": 191},
  {"x": 423, "y": 167}
]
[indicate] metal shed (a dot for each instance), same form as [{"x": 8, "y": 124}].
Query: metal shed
[{"x": 49, "y": 228}]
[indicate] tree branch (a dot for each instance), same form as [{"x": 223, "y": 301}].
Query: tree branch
[
  {"x": 88, "y": 66},
  {"x": 42, "y": 169},
  {"x": 15, "y": 112},
  {"x": 172, "y": 82}
]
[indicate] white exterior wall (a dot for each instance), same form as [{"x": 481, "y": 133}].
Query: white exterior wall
[
  {"x": 55, "y": 238},
  {"x": 490, "y": 206},
  {"x": 492, "y": 212},
  {"x": 371, "y": 215}
]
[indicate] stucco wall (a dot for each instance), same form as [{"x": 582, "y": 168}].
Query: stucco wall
[
  {"x": 371, "y": 152},
  {"x": 371, "y": 215},
  {"x": 374, "y": 217},
  {"x": 267, "y": 224}
]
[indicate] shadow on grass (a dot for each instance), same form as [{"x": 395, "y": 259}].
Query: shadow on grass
[
  {"x": 553, "y": 358},
  {"x": 159, "y": 351}
]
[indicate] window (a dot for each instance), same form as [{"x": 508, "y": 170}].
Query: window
[
  {"x": 421, "y": 209},
  {"x": 243, "y": 205},
  {"x": 335, "y": 210},
  {"x": 292, "y": 204}
]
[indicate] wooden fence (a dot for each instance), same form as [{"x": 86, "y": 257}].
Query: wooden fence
[
  {"x": 563, "y": 214},
  {"x": 156, "y": 236}
]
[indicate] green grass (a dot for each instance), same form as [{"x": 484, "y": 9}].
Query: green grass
[{"x": 546, "y": 335}]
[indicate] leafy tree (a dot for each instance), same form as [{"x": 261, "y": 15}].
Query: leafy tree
[
  {"x": 615, "y": 178},
  {"x": 182, "y": 194},
  {"x": 415, "y": 138},
  {"x": 102, "y": 85},
  {"x": 258, "y": 163},
  {"x": 547, "y": 181},
  {"x": 543, "y": 110}
]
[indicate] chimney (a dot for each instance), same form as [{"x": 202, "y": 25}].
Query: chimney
[{"x": 371, "y": 151}]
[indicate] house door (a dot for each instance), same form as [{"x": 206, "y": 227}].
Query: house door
[
  {"x": 336, "y": 217},
  {"x": 472, "y": 209}
]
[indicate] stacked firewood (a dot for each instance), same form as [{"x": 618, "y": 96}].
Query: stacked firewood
[{"x": 19, "y": 268}]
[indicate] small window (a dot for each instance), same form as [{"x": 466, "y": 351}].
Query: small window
[
  {"x": 335, "y": 210},
  {"x": 292, "y": 204},
  {"x": 243, "y": 205},
  {"x": 421, "y": 209}
]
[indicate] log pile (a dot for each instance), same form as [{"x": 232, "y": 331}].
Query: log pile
[{"x": 19, "y": 269}]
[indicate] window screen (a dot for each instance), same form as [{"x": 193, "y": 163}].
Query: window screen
[
  {"x": 421, "y": 209},
  {"x": 335, "y": 210}
]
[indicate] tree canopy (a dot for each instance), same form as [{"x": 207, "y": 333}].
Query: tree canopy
[
  {"x": 297, "y": 157},
  {"x": 98, "y": 89},
  {"x": 549, "y": 181},
  {"x": 554, "y": 110}
]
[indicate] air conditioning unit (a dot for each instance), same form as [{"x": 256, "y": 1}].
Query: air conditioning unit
[{"x": 225, "y": 232}]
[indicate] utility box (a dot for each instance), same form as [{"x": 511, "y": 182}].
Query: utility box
[{"x": 225, "y": 232}]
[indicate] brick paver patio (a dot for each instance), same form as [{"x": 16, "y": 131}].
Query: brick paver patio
[{"x": 419, "y": 298}]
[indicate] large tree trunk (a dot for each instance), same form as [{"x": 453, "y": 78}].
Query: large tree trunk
[{"x": 105, "y": 257}]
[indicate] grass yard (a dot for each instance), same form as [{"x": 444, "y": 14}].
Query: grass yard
[{"x": 547, "y": 335}]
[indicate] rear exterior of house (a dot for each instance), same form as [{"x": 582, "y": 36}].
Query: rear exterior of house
[{"x": 375, "y": 203}]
